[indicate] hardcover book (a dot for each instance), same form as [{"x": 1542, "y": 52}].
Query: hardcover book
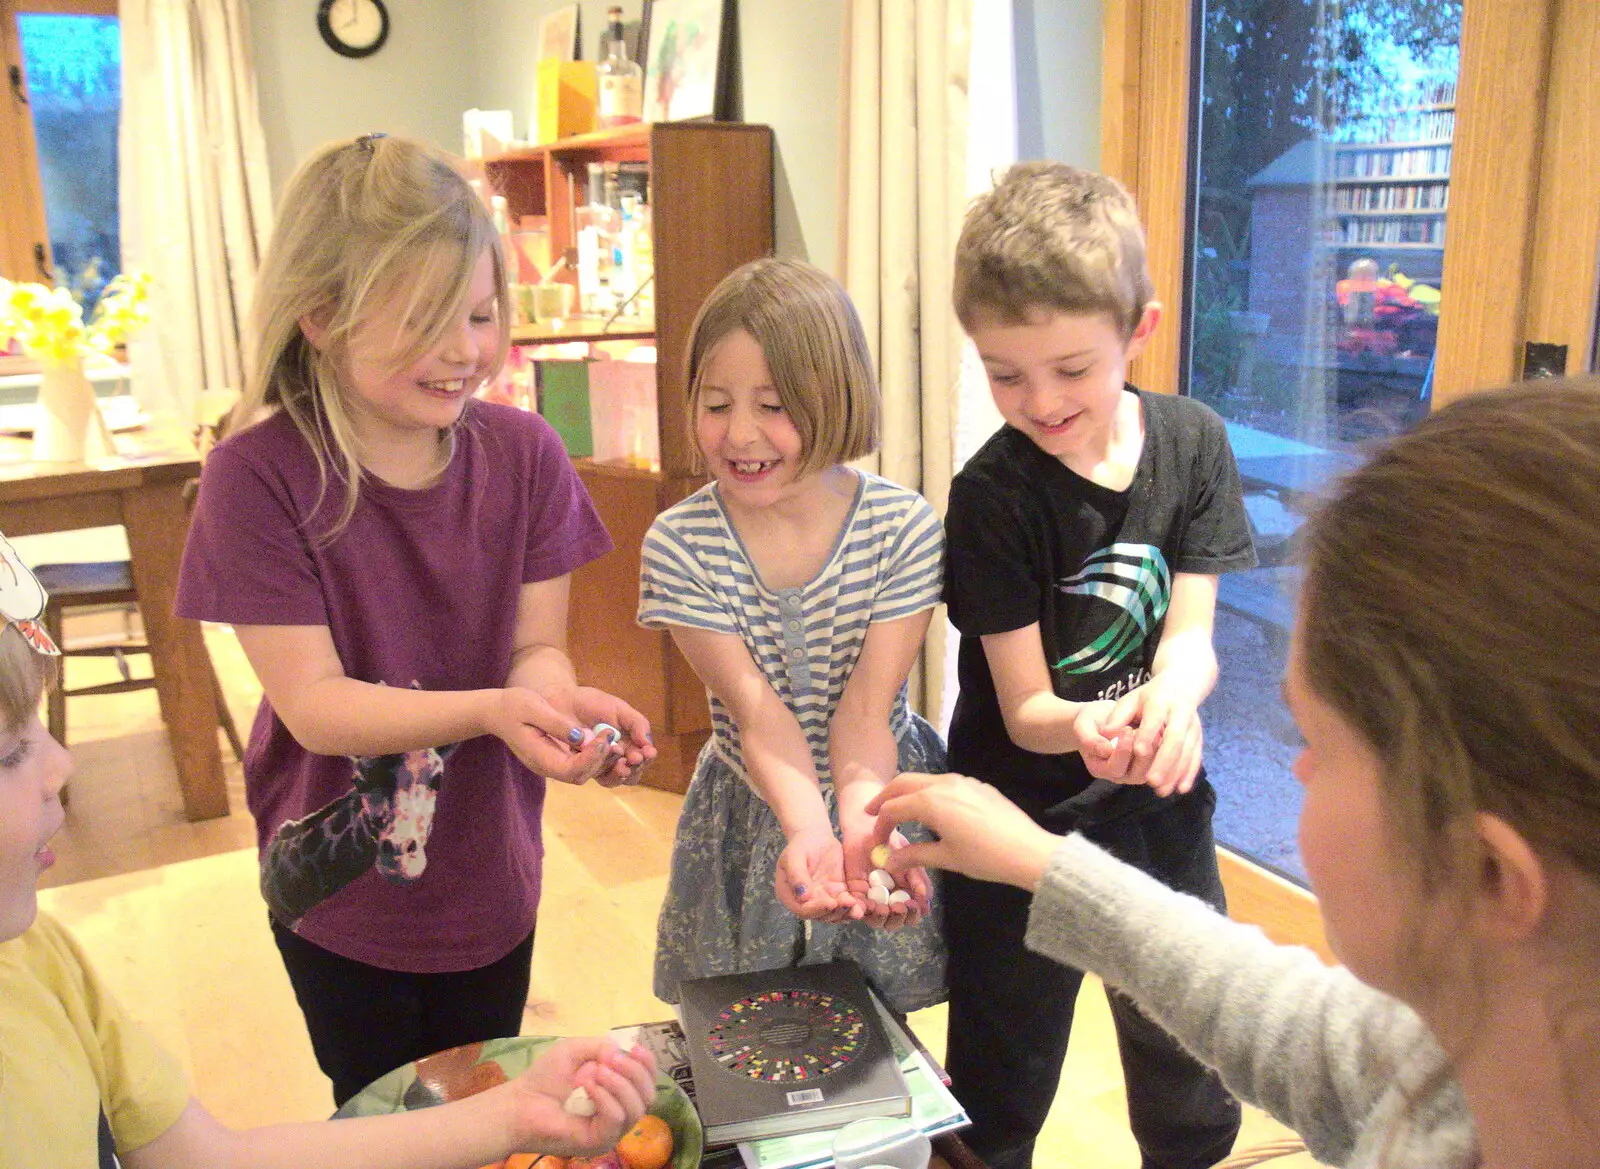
[{"x": 785, "y": 1051}]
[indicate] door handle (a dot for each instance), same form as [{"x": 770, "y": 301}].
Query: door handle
[{"x": 1543, "y": 359}]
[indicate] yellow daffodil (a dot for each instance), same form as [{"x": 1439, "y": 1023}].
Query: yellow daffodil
[{"x": 48, "y": 323}]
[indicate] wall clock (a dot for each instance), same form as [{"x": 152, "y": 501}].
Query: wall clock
[{"x": 353, "y": 28}]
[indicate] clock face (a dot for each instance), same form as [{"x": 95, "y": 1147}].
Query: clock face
[{"x": 353, "y": 28}]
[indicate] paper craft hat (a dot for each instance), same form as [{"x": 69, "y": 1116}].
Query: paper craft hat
[{"x": 22, "y": 599}]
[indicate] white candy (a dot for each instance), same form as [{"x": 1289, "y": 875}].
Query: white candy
[
  {"x": 881, "y": 878},
  {"x": 879, "y": 894},
  {"x": 880, "y": 856},
  {"x": 899, "y": 897},
  {"x": 579, "y": 1102}
]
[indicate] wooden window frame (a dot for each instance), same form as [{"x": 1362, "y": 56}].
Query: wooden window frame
[
  {"x": 24, "y": 232},
  {"x": 1525, "y": 223}
]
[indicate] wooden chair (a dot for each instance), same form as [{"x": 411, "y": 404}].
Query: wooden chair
[{"x": 105, "y": 582}]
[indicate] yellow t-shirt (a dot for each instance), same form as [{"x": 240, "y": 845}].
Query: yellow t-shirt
[{"x": 76, "y": 1074}]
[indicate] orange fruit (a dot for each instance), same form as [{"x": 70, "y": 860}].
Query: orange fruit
[
  {"x": 647, "y": 1145},
  {"x": 521, "y": 1160},
  {"x": 549, "y": 1161},
  {"x": 484, "y": 1076}
]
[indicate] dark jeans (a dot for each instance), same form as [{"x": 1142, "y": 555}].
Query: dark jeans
[
  {"x": 365, "y": 1021},
  {"x": 1011, "y": 1009}
]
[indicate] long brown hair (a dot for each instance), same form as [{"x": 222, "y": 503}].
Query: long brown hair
[{"x": 1451, "y": 612}]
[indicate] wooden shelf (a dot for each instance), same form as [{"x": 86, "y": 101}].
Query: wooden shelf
[
  {"x": 1369, "y": 180},
  {"x": 1374, "y": 246},
  {"x": 1418, "y": 144},
  {"x": 711, "y": 186},
  {"x": 617, "y": 468},
  {"x": 583, "y": 329},
  {"x": 620, "y": 138},
  {"x": 1393, "y": 212}
]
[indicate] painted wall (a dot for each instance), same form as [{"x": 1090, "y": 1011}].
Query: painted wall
[
  {"x": 444, "y": 56},
  {"x": 1058, "y": 45},
  {"x": 789, "y": 52},
  {"x": 417, "y": 84}
]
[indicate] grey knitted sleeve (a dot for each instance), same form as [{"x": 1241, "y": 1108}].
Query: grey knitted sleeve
[{"x": 1308, "y": 1044}]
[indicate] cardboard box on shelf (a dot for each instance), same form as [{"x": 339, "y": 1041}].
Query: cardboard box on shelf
[{"x": 566, "y": 104}]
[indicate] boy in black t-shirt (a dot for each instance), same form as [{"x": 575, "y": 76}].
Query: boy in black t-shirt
[{"x": 1084, "y": 542}]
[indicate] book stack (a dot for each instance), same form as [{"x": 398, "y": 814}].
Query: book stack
[{"x": 776, "y": 1061}]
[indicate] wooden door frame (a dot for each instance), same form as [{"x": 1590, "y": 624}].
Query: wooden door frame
[{"x": 1524, "y": 222}]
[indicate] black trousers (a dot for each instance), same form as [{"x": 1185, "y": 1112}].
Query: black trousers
[
  {"x": 1011, "y": 1009},
  {"x": 365, "y": 1020}
]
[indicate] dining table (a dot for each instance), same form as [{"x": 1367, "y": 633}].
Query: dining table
[{"x": 140, "y": 486}]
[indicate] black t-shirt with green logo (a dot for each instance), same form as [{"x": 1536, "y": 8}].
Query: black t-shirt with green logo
[{"x": 1028, "y": 540}]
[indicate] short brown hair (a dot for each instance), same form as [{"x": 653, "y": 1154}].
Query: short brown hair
[
  {"x": 1055, "y": 238},
  {"x": 814, "y": 346}
]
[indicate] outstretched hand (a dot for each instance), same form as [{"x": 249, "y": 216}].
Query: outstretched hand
[
  {"x": 981, "y": 833},
  {"x": 810, "y": 880},
  {"x": 621, "y": 1085}
]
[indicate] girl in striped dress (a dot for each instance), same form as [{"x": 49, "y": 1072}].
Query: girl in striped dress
[{"x": 799, "y": 589}]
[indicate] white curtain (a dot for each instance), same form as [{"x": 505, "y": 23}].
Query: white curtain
[
  {"x": 196, "y": 198},
  {"x": 931, "y": 114},
  {"x": 905, "y": 189}
]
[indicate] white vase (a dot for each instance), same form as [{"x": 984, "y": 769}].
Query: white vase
[{"x": 67, "y": 426}]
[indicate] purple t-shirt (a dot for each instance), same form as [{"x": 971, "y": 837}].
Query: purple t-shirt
[{"x": 420, "y": 589}]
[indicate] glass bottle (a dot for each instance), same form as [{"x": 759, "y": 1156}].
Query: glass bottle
[{"x": 621, "y": 97}]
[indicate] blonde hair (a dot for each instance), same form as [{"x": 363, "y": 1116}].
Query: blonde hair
[
  {"x": 814, "y": 347},
  {"x": 1051, "y": 238},
  {"x": 24, "y": 677},
  {"x": 360, "y": 222},
  {"x": 1448, "y": 615}
]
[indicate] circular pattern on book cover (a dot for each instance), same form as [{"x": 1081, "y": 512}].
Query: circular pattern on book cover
[{"x": 787, "y": 1036}]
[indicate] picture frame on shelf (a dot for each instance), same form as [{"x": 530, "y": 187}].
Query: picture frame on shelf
[
  {"x": 559, "y": 32},
  {"x": 688, "y": 59}
]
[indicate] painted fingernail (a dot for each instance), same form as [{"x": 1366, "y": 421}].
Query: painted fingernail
[
  {"x": 575, "y": 736},
  {"x": 799, "y": 890}
]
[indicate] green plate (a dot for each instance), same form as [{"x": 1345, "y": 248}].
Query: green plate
[{"x": 463, "y": 1071}]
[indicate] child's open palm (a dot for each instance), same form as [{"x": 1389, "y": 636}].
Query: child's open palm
[{"x": 810, "y": 880}]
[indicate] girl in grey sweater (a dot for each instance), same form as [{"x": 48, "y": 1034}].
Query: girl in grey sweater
[{"x": 1444, "y": 675}]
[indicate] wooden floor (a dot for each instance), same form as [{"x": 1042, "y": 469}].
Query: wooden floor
[{"x": 170, "y": 913}]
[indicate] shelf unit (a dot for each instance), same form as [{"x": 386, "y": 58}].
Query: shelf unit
[
  {"x": 1393, "y": 194},
  {"x": 711, "y": 211}
]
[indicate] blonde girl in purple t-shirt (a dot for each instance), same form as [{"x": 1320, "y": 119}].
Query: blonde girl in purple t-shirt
[{"x": 395, "y": 557}]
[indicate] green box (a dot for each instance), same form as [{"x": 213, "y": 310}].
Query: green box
[{"x": 564, "y": 402}]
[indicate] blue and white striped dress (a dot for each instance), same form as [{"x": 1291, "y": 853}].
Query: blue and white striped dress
[{"x": 721, "y": 914}]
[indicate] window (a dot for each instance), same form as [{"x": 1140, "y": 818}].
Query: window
[
  {"x": 1521, "y": 251},
  {"x": 1320, "y": 199},
  {"x": 63, "y": 76}
]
